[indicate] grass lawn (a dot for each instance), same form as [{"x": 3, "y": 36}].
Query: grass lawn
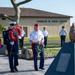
[
  {"x": 48, "y": 46},
  {"x": 53, "y": 51},
  {"x": 49, "y": 38},
  {"x": 26, "y": 39},
  {"x": 56, "y": 38},
  {"x": 53, "y": 46},
  {"x": 48, "y": 51}
]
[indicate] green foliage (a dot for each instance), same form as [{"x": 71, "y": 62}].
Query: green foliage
[{"x": 1, "y": 28}]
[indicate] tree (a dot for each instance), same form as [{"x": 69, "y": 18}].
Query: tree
[{"x": 17, "y": 10}]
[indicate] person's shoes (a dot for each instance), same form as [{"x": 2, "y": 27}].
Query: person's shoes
[
  {"x": 15, "y": 69},
  {"x": 12, "y": 70},
  {"x": 41, "y": 68},
  {"x": 36, "y": 69}
]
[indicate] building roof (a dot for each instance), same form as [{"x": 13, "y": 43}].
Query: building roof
[{"x": 29, "y": 12}]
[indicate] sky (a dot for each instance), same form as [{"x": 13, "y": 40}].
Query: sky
[{"x": 66, "y": 7}]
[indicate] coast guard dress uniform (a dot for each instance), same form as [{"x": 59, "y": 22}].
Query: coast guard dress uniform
[
  {"x": 13, "y": 50},
  {"x": 62, "y": 34}
]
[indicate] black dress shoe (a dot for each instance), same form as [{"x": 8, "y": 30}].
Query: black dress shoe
[
  {"x": 36, "y": 69},
  {"x": 15, "y": 69},
  {"x": 12, "y": 70},
  {"x": 41, "y": 68}
]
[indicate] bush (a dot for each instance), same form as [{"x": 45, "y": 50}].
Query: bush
[{"x": 1, "y": 28}]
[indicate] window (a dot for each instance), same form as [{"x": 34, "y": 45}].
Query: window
[
  {"x": 55, "y": 21},
  {"x": 62, "y": 21},
  {"x": 41, "y": 20},
  {"x": 48, "y": 20},
  {"x": 3, "y": 18}
]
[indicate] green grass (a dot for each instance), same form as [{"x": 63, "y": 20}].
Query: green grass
[
  {"x": 49, "y": 38},
  {"x": 51, "y": 51},
  {"x": 28, "y": 47},
  {"x": 48, "y": 51},
  {"x": 56, "y": 38},
  {"x": 48, "y": 46},
  {"x": 53, "y": 46},
  {"x": 26, "y": 39}
]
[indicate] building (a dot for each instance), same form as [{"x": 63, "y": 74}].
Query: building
[{"x": 52, "y": 21}]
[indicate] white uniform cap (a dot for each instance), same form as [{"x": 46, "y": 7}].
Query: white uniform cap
[{"x": 12, "y": 23}]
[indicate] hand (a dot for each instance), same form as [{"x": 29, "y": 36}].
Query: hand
[
  {"x": 42, "y": 42},
  {"x": 39, "y": 42},
  {"x": 12, "y": 43},
  {"x": 19, "y": 37}
]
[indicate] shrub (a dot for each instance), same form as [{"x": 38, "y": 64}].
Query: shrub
[{"x": 1, "y": 28}]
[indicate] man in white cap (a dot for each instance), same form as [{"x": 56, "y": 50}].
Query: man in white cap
[{"x": 13, "y": 50}]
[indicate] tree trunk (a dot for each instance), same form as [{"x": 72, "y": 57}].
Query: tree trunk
[
  {"x": 17, "y": 10},
  {"x": 17, "y": 14}
]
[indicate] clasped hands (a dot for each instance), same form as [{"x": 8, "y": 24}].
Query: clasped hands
[{"x": 40, "y": 42}]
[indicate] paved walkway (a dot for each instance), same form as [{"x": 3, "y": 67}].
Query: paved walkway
[{"x": 25, "y": 67}]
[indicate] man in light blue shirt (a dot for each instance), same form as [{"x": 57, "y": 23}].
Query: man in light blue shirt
[
  {"x": 62, "y": 34},
  {"x": 45, "y": 33}
]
